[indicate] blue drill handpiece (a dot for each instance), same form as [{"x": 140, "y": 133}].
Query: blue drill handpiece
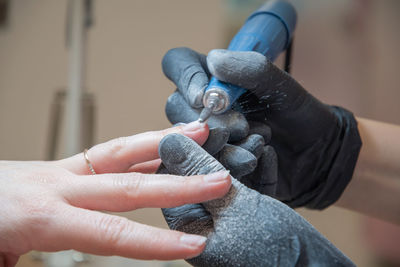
[{"x": 268, "y": 31}]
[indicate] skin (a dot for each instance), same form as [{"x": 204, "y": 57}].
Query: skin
[
  {"x": 52, "y": 206},
  {"x": 375, "y": 187}
]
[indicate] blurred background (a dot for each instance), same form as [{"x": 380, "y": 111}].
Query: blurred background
[{"x": 345, "y": 53}]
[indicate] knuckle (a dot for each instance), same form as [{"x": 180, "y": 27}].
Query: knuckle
[
  {"x": 41, "y": 174},
  {"x": 116, "y": 146},
  {"x": 153, "y": 134},
  {"x": 114, "y": 229},
  {"x": 165, "y": 132},
  {"x": 188, "y": 73},
  {"x": 180, "y": 193},
  {"x": 159, "y": 134},
  {"x": 129, "y": 186},
  {"x": 187, "y": 182}
]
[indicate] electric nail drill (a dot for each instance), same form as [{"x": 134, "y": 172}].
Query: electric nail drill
[{"x": 268, "y": 31}]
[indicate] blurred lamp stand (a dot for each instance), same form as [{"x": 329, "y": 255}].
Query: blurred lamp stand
[{"x": 74, "y": 106}]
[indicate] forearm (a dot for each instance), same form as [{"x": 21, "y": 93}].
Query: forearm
[{"x": 375, "y": 187}]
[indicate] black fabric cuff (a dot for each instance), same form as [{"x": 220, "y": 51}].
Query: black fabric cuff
[{"x": 343, "y": 164}]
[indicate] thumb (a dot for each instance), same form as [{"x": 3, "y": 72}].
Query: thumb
[
  {"x": 182, "y": 156},
  {"x": 243, "y": 68},
  {"x": 253, "y": 71}
]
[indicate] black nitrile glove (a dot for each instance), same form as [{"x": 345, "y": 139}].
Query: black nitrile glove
[
  {"x": 244, "y": 228},
  {"x": 245, "y": 144},
  {"x": 317, "y": 145},
  {"x": 239, "y": 158}
]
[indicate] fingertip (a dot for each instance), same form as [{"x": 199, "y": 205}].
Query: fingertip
[
  {"x": 194, "y": 243},
  {"x": 195, "y": 130},
  {"x": 243, "y": 68},
  {"x": 196, "y": 253},
  {"x": 198, "y": 131},
  {"x": 218, "y": 184},
  {"x": 216, "y": 140},
  {"x": 180, "y": 246},
  {"x": 193, "y": 126},
  {"x": 169, "y": 58},
  {"x": 226, "y": 185},
  {"x": 217, "y": 177}
]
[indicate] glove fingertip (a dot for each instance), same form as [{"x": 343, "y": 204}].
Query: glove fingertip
[
  {"x": 261, "y": 129},
  {"x": 253, "y": 143},
  {"x": 183, "y": 156},
  {"x": 168, "y": 147},
  {"x": 178, "y": 110},
  {"x": 217, "y": 138},
  {"x": 237, "y": 160},
  {"x": 269, "y": 170}
]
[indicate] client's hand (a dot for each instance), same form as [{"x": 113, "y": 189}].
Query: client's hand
[
  {"x": 51, "y": 206},
  {"x": 244, "y": 228}
]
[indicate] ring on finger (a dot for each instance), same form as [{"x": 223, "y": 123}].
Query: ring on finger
[{"x": 85, "y": 154}]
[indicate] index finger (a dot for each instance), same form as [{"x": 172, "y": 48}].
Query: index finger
[{"x": 118, "y": 155}]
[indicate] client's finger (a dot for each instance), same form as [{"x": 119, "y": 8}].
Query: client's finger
[
  {"x": 103, "y": 234},
  {"x": 118, "y": 155},
  {"x": 146, "y": 167},
  {"x": 129, "y": 191}
]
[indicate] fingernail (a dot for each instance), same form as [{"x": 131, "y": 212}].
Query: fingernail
[
  {"x": 193, "y": 240},
  {"x": 216, "y": 176},
  {"x": 193, "y": 126}
]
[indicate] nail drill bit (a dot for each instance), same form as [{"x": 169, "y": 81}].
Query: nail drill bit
[
  {"x": 267, "y": 31},
  {"x": 216, "y": 101}
]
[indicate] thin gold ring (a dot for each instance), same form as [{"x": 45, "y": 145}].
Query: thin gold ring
[{"x": 88, "y": 161}]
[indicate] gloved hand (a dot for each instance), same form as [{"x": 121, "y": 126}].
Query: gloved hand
[
  {"x": 317, "y": 145},
  {"x": 244, "y": 228},
  {"x": 246, "y": 139},
  {"x": 241, "y": 158}
]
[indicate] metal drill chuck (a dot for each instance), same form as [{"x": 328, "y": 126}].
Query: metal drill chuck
[{"x": 217, "y": 100}]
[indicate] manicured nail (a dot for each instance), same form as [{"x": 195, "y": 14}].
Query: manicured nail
[
  {"x": 193, "y": 240},
  {"x": 216, "y": 176},
  {"x": 193, "y": 126}
]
